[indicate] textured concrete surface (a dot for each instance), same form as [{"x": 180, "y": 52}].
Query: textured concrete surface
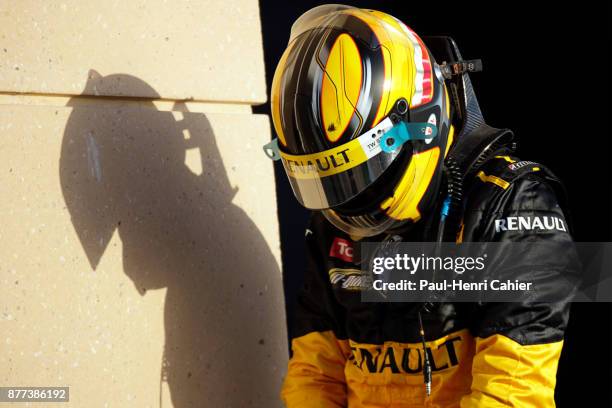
[
  {"x": 134, "y": 238},
  {"x": 139, "y": 249},
  {"x": 203, "y": 50}
]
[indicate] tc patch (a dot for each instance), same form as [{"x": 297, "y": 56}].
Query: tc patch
[{"x": 342, "y": 249}]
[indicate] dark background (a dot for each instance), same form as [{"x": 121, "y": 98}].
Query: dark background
[{"x": 547, "y": 77}]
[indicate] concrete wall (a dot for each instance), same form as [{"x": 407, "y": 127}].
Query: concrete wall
[{"x": 139, "y": 251}]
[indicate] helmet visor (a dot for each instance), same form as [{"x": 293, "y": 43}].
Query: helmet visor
[{"x": 332, "y": 177}]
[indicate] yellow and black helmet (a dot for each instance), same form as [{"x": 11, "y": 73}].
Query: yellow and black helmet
[{"x": 362, "y": 117}]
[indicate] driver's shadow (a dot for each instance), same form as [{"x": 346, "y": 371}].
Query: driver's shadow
[{"x": 124, "y": 169}]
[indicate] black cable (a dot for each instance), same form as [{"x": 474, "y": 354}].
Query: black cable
[
  {"x": 426, "y": 362},
  {"x": 454, "y": 176}
]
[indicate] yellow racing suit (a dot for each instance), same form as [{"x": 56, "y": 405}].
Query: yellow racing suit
[{"x": 347, "y": 353}]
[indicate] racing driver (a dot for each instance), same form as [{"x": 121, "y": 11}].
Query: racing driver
[{"x": 380, "y": 140}]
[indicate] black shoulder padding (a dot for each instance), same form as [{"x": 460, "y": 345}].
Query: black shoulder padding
[{"x": 510, "y": 169}]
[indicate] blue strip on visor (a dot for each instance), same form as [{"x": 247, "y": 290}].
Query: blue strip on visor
[
  {"x": 402, "y": 132},
  {"x": 271, "y": 150}
]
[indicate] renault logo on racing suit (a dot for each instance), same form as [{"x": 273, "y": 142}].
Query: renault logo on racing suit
[
  {"x": 529, "y": 223},
  {"x": 408, "y": 359}
]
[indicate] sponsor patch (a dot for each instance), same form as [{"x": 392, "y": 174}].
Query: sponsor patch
[
  {"x": 349, "y": 279},
  {"x": 398, "y": 358},
  {"x": 521, "y": 164},
  {"x": 342, "y": 249},
  {"x": 530, "y": 223}
]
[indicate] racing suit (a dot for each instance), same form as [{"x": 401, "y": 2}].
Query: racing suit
[{"x": 349, "y": 353}]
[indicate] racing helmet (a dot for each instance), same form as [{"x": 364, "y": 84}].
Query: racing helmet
[{"x": 361, "y": 112}]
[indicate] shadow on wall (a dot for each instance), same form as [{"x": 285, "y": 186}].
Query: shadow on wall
[{"x": 124, "y": 168}]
